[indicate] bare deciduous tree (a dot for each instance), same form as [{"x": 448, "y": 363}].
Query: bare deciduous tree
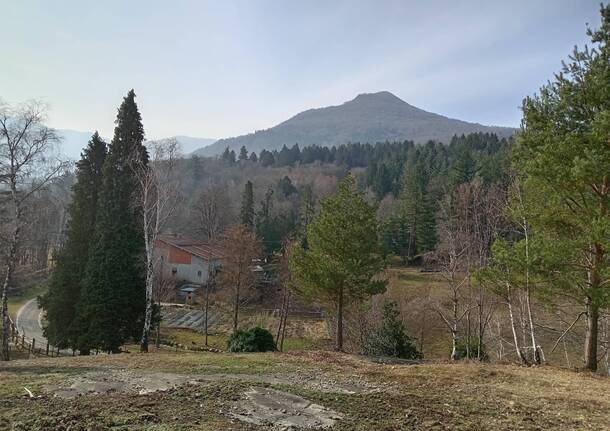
[
  {"x": 157, "y": 196},
  {"x": 27, "y": 166},
  {"x": 451, "y": 255},
  {"x": 239, "y": 248},
  {"x": 213, "y": 210},
  {"x": 283, "y": 280}
]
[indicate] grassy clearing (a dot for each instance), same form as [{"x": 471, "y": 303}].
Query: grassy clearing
[{"x": 436, "y": 396}]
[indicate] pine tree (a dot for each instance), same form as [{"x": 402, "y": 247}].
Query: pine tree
[
  {"x": 226, "y": 155},
  {"x": 425, "y": 232},
  {"x": 286, "y": 187},
  {"x": 390, "y": 338},
  {"x": 60, "y": 301},
  {"x": 464, "y": 168},
  {"x": 264, "y": 225},
  {"x": 266, "y": 158},
  {"x": 411, "y": 197},
  {"x": 243, "y": 153},
  {"x": 343, "y": 257},
  {"x": 563, "y": 157},
  {"x": 247, "y": 206},
  {"x": 306, "y": 214},
  {"x": 253, "y": 157},
  {"x": 111, "y": 307}
]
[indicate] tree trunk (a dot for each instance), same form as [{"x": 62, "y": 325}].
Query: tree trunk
[
  {"x": 530, "y": 318},
  {"x": 591, "y": 337},
  {"x": 149, "y": 298},
  {"x": 8, "y": 276},
  {"x": 284, "y": 323},
  {"x": 512, "y": 326},
  {"x": 593, "y": 310},
  {"x": 207, "y": 309},
  {"x": 454, "y": 329},
  {"x": 339, "y": 344},
  {"x": 481, "y": 325},
  {"x": 536, "y": 353},
  {"x": 236, "y": 307}
]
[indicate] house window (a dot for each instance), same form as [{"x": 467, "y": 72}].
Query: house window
[{"x": 198, "y": 273}]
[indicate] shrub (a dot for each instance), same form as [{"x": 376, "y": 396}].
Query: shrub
[
  {"x": 390, "y": 339},
  {"x": 253, "y": 340}
]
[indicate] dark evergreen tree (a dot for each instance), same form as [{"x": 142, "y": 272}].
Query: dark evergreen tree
[
  {"x": 425, "y": 233},
  {"x": 390, "y": 338},
  {"x": 226, "y": 155},
  {"x": 286, "y": 187},
  {"x": 295, "y": 155},
  {"x": 411, "y": 198},
  {"x": 253, "y": 157},
  {"x": 243, "y": 153},
  {"x": 263, "y": 217},
  {"x": 382, "y": 184},
  {"x": 284, "y": 157},
  {"x": 196, "y": 167},
  {"x": 60, "y": 301},
  {"x": 111, "y": 307},
  {"x": 247, "y": 206},
  {"x": 232, "y": 157},
  {"x": 306, "y": 214},
  {"x": 464, "y": 168},
  {"x": 266, "y": 158}
]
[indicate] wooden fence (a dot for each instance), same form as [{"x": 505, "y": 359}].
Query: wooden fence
[{"x": 32, "y": 346}]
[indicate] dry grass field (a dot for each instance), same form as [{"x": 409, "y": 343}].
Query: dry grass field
[{"x": 166, "y": 390}]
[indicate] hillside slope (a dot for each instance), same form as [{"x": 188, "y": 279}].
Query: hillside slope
[
  {"x": 206, "y": 391},
  {"x": 370, "y": 117}
]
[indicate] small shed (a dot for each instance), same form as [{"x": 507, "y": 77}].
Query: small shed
[{"x": 188, "y": 293}]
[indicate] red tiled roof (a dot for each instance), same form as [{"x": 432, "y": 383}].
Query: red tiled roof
[{"x": 192, "y": 246}]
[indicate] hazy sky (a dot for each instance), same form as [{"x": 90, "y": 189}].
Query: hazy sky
[{"x": 223, "y": 68}]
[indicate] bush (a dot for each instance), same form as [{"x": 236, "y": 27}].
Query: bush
[
  {"x": 253, "y": 340},
  {"x": 461, "y": 350},
  {"x": 390, "y": 339}
]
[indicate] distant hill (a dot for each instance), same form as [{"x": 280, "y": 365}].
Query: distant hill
[
  {"x": 190, "y": 144},
  {"x": 73, "y": 142},
  {"x": 369, "y": 117}
]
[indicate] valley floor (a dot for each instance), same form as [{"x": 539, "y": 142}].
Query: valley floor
[{"x": 166, "y": 390}]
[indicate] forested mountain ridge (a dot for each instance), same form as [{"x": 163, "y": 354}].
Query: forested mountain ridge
[{"x": 372, "y": 117}]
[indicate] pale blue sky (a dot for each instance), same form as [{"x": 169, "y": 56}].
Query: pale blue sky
[{"x": 224, "y": 68}]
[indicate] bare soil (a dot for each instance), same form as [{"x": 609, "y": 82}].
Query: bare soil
[{"x": 309, "y": 390}]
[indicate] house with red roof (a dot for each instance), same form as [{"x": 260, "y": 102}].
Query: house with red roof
[{"x": 185, "y": 259}]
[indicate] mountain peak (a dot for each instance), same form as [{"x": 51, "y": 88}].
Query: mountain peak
[
  {"x": 382, "y": 96},
  {"x": 369, "y": 117}
]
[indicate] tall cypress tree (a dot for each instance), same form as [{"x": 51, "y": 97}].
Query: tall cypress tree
[
  {"x": 247, "y": 206},
  {"x": 112, "y": 303},
  {"x": 60, "y": 302}
]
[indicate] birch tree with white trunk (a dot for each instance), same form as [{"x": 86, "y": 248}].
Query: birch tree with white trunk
[
  {"x": 157, "y": 196},
  {"x": 452, "y": 257}
]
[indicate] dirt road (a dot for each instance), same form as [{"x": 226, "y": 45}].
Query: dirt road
[{"x": 29, "y": 322}]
